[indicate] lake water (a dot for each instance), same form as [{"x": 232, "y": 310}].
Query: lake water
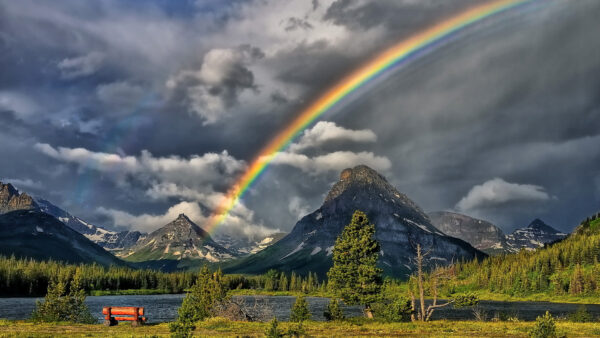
[{"x": 163, "y": 308}]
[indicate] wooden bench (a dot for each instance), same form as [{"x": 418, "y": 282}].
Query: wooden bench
[{"x": 134, "y": 314}]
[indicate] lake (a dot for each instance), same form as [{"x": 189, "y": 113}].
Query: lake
[{"x": 163, "y": 308}]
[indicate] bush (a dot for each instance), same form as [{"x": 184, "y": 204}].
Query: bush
[
  {"x": 296, "y": 331},
  {"x": 545, "y": 327},
  {"x": 393, "y": 310},
  {"x": 204, "y": 299},
  {"x": 62, "y": 305},
  {"x": 333, "y": 311},
  {"x": 465, "y": 300},
  {"x": 300, "y": 310},
  {"x": 581, "y": 315},
  {"x": 273, "y": 330}
]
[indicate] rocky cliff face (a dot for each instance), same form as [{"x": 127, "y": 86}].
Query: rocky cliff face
[
  {"x": 11, "y": 199},
  {"x": 399, "y": 226},
  {"x": 535, "y": 235},
  {"x": 481, "y": 234},
  {"x": 180, "y": 239}
]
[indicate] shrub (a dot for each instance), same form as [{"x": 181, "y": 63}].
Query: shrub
[
  {"x": 465, "y": 300},
  {"x": 204, "y": 299},
  {"x": 545, "y": 327},
  {"x": 333, "y": 311},
  {"x": 581, "y": 315},
  {"x": 297, "y": 330},
  {"x": 393, "y": 310},
  {"x": 272, "y": 330},
  {"x": 62, "y": 305},
  {"x": 300, "y": 310}
]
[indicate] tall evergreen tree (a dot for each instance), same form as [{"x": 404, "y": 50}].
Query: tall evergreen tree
[{"x": 354, "y": 275}]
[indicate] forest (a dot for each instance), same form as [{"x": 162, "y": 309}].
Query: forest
[
  {"x": 27, "y": 277},
  {"x": 568, "y": 267}
]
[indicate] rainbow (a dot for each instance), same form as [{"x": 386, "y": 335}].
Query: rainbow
[{"x": 402, "y": 52}]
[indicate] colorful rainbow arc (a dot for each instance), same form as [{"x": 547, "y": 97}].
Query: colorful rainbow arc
[{"x": 391, "y": 57}]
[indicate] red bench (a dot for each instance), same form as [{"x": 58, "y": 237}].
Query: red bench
[{"x": 134, "y": 314}]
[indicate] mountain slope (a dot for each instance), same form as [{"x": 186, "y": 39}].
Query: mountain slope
[
  {"x": 28, "y": 233},
  {"x": 535, "y": 235},
  {"x": 481, "y": 234},
  {"x": 11, "y": 199},
  {"x": 178, "y": 240},
  {"x": 399, "y": 225},
  {"x": 110, "y": 240},
  {"x": 567, "y": 267}
]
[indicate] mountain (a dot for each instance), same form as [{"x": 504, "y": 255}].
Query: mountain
[
  {"x": 399, "y": 225},
  {"x": 31, "y": 233},
  {"x": 243, "y": 246},
  {"x": 11, "y": 199},
  {"x": 535, "y": 235},
  {"x": 110, "y": 240},
  {"x": 178, "y": 240},
  {"x": 481, "y": 234}
]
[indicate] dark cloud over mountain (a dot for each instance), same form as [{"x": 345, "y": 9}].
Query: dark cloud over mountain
[{"x": 126, "y": 114}]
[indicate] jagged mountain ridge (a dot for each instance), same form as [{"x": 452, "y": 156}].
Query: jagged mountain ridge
[
  {"x": 179, "y": 239},
  {"x": 400, "y": 224},
  {"x": 534, "y": 236},
  {"x": 491, "y": 239},
  {"x": 35, "y": 234},
  {"x": 108, "y": 239}
]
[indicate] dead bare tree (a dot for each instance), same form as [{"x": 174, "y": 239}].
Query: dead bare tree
[{"x": 424, "y": 313}]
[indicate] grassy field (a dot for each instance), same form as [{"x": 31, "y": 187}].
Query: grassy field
[{"x": 225, "y": 328}]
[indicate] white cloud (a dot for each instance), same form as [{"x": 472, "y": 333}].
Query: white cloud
[
  {"x": 325, "y": 131},
  {"x": 80, "y": 66},
  {"x": 149, "y": 222},
  {"x": 497, "y": 192},
  {"x": 214, "y": 88},
  {"x": 335, "y": 161},
  {"x": 20, "y": 105},
  {"x": 193, "y": 171}
]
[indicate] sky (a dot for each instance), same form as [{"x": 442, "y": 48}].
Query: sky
[{"x": 127, "y": 113}]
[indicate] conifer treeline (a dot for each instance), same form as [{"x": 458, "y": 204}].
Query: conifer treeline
[
  {"x": 570, "y": 266},
  {"x": 27, "y": 277}
]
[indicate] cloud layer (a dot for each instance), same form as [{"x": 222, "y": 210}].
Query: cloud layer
[{"x": 126, "y": 113}]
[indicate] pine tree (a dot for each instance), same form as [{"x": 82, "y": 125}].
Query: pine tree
[
  {"x": 333, "y": 311},
  {"x": 300, "y": 310},
  {"x": 354, "y": 274},
  {"x": 205, "y": 295}
]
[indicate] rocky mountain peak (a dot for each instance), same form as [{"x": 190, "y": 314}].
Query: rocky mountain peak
[
  {"x": 11, "y": 199},
  {"x": 360, "y": 175},
  {"x": 542, "y": 226},
  {"x": 399, "y": 225}
]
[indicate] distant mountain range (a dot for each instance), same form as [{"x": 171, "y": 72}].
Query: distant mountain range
[
  {"x": 399, "y": 226},
  {"x": 34, "y": 227},
  {"x": 489, "y": 238},
  {"x": 108, "y": 239}
]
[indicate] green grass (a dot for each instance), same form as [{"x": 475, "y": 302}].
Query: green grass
[{"x": 220, "y": 327}]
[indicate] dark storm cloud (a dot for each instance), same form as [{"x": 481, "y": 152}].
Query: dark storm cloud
[{"x": 513, "y": 101}]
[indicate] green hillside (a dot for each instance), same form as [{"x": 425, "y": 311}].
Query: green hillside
[{"x": 570, "y": 267}]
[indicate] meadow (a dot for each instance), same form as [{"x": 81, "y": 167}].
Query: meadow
[{"x": 220, "y": 327}]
